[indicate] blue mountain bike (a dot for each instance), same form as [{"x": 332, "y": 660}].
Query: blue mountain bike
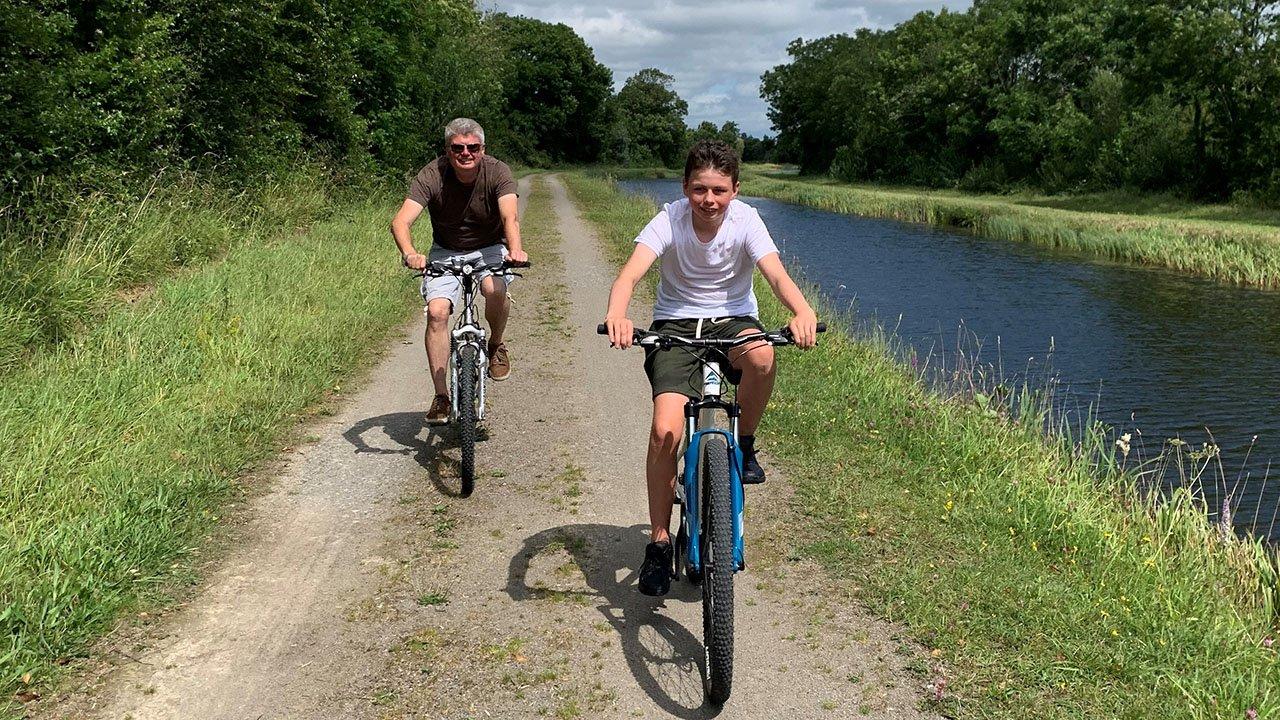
[{"x": 708, "y": 546}]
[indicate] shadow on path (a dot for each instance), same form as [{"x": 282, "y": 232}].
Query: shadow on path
[
  {"x": 664, "y": 657},
  {"x": 405, "y": 429}
]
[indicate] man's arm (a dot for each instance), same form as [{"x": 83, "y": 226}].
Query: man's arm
[
  {"x": 509, "y": 211},
  {"x": 620, "y": 327},
  {"x": 400, "y": 225},
  {"x": 804, "y": 322}
]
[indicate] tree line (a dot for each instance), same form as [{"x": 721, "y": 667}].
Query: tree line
[
  {"x": 1061, "y": 95},
  {"x": 98, "y": 90}
]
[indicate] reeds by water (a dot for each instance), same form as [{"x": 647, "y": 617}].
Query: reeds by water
[{"x": 1236, "y": 253}]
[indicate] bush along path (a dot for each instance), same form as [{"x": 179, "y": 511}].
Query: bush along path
[{"x": 363, "y": 586}]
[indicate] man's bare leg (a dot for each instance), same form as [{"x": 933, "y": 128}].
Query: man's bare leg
[
  {"x": 497, "y": 306},
  {"x": 436, "y": 340}
]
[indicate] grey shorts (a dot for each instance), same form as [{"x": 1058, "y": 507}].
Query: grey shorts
[{"x": 450, "y": 286}]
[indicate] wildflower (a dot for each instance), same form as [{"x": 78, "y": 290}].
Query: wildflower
[
  {"x": 1267, "y": 642},
  {"x": 1123, "y": 443},
  {"x": 1251, "y": 714}
]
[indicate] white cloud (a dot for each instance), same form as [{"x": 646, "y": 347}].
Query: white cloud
[{"x": 716, "y": 50}]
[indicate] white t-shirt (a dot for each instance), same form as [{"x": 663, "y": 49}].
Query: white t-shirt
[{"x": 712, "y": 279}]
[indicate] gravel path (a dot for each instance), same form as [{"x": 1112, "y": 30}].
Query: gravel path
[{"x": 364, "y": 587}]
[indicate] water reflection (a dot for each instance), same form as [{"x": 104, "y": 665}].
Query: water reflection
[{"x": 1159, "y": 353}]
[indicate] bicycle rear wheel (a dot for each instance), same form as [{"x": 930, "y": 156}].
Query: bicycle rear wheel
[
  {"x": 717, "y": 568},
  {"x": 467, "y": 368}
]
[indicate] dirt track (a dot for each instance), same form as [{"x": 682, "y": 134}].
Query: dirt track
[{"x": 364, "y": 587}]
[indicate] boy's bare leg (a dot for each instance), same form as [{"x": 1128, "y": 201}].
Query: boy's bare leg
[
  {"x": 660, "y": 465},
  {"x": 436, "y": 340},
  {"x": 756, "y": 361}
]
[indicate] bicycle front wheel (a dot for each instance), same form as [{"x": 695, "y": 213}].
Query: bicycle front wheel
[
  {"x": 717, "y": 568},
  {"x": 467, "y": 369}
]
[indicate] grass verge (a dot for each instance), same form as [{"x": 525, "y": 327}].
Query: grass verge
[
  {"x": 1240, "y": 253},
  {"x": 119, "y": 445},
  {"x": 65, "y": 263},
  {"x": 1040, "y": 580}
]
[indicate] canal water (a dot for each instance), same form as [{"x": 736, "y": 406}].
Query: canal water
[{"x": 1150, "y": 352}]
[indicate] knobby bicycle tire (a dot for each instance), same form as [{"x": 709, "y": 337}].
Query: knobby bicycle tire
[
  {"x": 467, "y": 368},
  {"x": 717, "y": 568}
]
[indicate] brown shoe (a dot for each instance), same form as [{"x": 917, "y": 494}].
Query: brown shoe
[
  {"x": 439, "y": 412},
  {"x": 500, "y": 363}
]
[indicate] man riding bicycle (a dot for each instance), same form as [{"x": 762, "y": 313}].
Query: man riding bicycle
[{"x": 471, "y": 198}]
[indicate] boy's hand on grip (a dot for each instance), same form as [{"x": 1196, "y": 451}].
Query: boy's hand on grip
[
  {"x": 804, "y": 330},
  {"x": 621, "y": 332}
]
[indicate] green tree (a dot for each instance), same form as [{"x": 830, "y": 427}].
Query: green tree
[
  {"x": 649, "y": 118},
  {"x": 555, "y": 90},
  {"x": 1061, "y": 94},
  {"x": 85, "y": 82},
  {"x": 756, "y": 149},
  {"x": 419, "y": 65}
]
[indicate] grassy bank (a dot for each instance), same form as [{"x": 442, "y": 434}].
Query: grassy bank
[
  {"x": 1042, "y": 585},
  {"x": 119, "y": 445},
  {"x": 1229, "y": 244},
  {"x": 67, "y": 258},
  {"x": 1241, "y": 253}
]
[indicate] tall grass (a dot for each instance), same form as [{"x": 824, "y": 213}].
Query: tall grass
[
  {"x": 66, "y": 257},
  {"x": 118, "y": 445},
  {"x": 1236, "y": 253},
  {"x": 1042, "y": 582}
]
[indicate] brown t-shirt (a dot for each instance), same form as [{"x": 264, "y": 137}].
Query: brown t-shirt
[{"x": 463, "y": 217}]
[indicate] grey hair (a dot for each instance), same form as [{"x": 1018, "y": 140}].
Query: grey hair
[{"x": 463, "y": 126}]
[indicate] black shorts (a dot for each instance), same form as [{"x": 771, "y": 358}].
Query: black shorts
[{"x": 679, "y": 371}]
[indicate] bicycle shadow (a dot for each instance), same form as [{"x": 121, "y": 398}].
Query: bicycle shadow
[
  {"x": 664, "y": 657},
  {"x": 405, "y": 430}
]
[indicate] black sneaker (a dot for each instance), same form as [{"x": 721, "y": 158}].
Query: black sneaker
[
  {"x": 656, "y": 573},
  {"x": 752, "y": 473}
]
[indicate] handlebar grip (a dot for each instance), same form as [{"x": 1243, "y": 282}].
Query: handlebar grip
[
  {"x": 822, "y": 327},
  {"x": 602, "y": 329},
  {"x": 521, "y": 264}
]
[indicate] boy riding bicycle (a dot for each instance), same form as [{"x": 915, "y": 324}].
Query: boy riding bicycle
[{"x": 709, "y": 243}]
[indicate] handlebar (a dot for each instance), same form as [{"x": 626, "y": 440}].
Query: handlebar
[
  {"x": 452, "y": 267},
  {"x": 664, "y": 341}
]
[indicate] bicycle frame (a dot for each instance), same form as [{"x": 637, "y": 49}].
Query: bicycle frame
[{"x": 688, "y": 489}]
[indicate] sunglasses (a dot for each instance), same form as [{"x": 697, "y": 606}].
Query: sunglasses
[{"x": 473, "y": 148}]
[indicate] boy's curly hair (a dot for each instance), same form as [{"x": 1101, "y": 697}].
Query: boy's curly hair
[{"x": 714, "y": 154}]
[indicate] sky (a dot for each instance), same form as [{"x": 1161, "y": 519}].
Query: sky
[{"x": 715, "y": 49}]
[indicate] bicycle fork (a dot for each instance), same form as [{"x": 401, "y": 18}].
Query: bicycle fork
[{"x": 474, "y": 336}]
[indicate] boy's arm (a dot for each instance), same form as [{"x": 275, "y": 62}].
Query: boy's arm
[
  {"x": 620, "y": 327},
  {"x": 804, "y": 322}
]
